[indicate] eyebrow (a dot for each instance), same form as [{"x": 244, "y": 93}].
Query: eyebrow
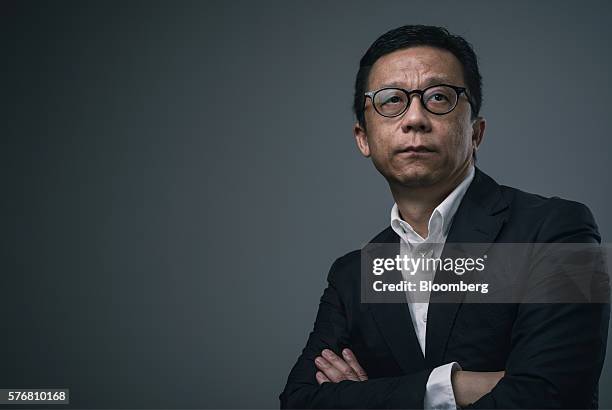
[{"x": 438, "y": 79}]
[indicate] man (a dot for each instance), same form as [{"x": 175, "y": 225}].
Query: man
[{"x": 417, "y": 101}]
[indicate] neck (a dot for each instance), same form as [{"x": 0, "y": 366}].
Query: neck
[{"x": 416, "y": 204}]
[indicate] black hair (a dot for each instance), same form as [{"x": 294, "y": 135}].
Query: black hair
[{"x": 419, "y": 35}]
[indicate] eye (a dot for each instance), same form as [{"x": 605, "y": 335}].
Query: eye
[
  {"x": 394, "y": 99},
  {"x": 439, "y": 97}
]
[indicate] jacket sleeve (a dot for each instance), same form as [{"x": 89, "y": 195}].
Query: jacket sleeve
[
  {"x": 557, "y": 349},
  {"x": 331, "y": 332}
]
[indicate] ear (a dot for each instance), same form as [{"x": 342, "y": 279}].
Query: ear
[
  {"x": 478, "y": 129},
  {"x": 362, "y": 139}
]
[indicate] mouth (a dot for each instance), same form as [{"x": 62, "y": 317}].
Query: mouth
[{"x": 416, "y": 150}]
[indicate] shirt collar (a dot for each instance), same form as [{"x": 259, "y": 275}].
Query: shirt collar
[{"x": 440, "y": 219}]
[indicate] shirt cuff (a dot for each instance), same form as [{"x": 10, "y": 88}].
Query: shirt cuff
[{"x": 439, "y": 393}]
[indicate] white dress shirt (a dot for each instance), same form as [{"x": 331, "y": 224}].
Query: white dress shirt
[{"x": 439, "y": 390}]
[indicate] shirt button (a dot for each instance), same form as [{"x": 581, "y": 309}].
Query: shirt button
[{"x": 425, "y": 318}]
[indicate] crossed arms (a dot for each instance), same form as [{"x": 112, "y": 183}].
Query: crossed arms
[{"x": 468, "y": 386}]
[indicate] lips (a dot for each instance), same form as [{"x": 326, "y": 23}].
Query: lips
[{"x": 422, "y": 149}]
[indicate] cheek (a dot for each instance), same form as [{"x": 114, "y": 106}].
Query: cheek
[
  {"x": 378, "y": 143},
  {"x": 460, "y": 140}
]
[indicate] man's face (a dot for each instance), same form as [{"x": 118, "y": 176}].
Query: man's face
[{"x": 418, "y": 148}]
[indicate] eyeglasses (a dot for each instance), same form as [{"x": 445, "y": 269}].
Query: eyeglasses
[{"x": 438, "y": 99}]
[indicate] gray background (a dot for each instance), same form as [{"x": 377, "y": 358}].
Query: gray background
[{"x": 178, "y": 177}]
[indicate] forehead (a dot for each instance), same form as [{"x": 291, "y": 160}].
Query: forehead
[{"x": 416, "y": 67}]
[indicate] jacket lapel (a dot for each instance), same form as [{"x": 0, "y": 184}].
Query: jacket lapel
[
  {"x": 479, "y": 218},
  {"x": 393, "y": 319}
]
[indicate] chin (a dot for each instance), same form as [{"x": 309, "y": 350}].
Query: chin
[
  {"x": 416, "y": 179},
  {"x": 411, "y": 175}
]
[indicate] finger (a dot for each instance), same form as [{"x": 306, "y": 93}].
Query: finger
[
  {"x": 339, "y": 363},
  {"x": 351, "y": 359},
  {"x": 321, "y": 378},
  {"x": 329, "y": 370},
  {"x": 333, "y": 374}
]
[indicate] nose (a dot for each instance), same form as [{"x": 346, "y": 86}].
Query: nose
[{"x": 416, "y": 117}]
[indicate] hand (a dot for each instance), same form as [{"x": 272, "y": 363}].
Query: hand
[
  {"x": 468, "y": 386},
  {"x": 335, "y": 369}
]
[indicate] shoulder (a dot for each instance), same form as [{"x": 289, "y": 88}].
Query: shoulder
[
  {"x": 554, "y": 218},
  {"x": 348, "y": 266},
  {"x": 345, "y": 268}
]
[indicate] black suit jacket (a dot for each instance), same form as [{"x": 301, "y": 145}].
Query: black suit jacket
[{"x": 552, "y": 353}]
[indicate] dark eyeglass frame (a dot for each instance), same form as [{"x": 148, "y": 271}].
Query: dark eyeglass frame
[{"x": 458, "y": 91}]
